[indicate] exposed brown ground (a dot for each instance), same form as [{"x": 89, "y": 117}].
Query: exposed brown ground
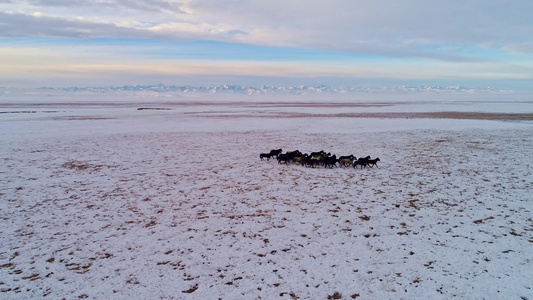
[
  {"x": 400, "y": 115},
  {"x": 384, "y": 115},
  {"x": 440, "y": 115}
]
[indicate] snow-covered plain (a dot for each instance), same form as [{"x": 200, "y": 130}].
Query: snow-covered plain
[{"x": 110, "y": 202}]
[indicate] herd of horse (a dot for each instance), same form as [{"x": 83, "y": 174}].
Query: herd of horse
[{"x": 317, "y": 159}]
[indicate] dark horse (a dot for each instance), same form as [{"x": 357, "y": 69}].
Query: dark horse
[
  {"x": 372, "y": 162},
  {"x": 275, "y": 152}
]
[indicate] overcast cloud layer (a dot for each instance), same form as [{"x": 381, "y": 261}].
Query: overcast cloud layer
[{"x": 471, "y": 40}]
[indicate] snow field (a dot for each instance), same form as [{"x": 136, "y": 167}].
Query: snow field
[{"x": 186, "y": 210}]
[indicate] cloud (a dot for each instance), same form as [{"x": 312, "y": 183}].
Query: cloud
[
  {"x": 520, "y": 48},
  {"x": 37, "y": 25},
  {"x": 40, "y": 25},
  {"x": 355, "y": 39},
  {"x": 382, "y": 27},
  {"x": 416, "y": 28},
  {"x": 79, "y": 61},
  {"x": 145, "y": 5}
]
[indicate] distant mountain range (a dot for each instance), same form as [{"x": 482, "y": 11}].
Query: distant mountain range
[{"x": 277, "y": 90}]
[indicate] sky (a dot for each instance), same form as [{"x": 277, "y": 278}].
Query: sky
[{"x": 61, "y": 43}]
